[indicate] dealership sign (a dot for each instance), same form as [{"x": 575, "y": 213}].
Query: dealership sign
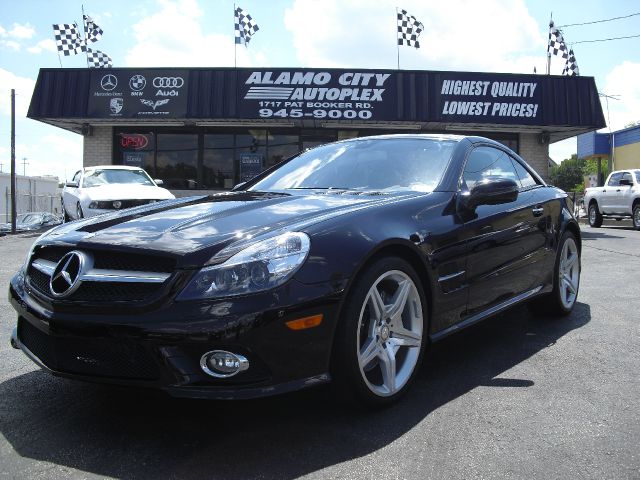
[
  {"x": 318, "y": 95},
  {"x": 138, "y": 94},
  {"x": 483, "y": 98}
]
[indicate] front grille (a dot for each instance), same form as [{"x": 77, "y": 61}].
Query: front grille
[
  {"x": 112, "y": 358},
  {"x": 105, "y": 291},
  {"x": 114, "y": 292},
  {"x": 114, "y": 260}
]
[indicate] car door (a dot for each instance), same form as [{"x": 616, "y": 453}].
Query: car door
[
  {"x": 607, "y": 199},
  {"x": 622, "y": 194},
  {"x": 506, "y": 243}
]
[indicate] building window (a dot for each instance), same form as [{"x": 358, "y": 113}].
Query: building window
[
  {"x": 177, "y": 160},
  {"x": 217, "y": 161},
  {"x": 136, "y": 149}
]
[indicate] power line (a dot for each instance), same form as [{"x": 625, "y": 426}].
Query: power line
[
  {"x": 598, "y": 21},
  {"x": 603, "y": 39}
]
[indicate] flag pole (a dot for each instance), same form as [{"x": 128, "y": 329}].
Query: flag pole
[
  {"x": 548, "y": 52},
  {"x": 84, "y": 29},
  {"x": 397, "y": 43},
  {"x": 235, "y": 45}
]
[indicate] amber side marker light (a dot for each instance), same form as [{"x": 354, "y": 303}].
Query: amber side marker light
[{"x": 306, "y": 322}]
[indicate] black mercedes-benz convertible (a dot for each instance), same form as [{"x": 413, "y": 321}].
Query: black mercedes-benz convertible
[{"x": 341, "y": 264}]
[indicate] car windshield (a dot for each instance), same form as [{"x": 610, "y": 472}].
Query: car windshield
[
  {"x": 366, "y": 164},
  {"x": 98, "y": 177}
]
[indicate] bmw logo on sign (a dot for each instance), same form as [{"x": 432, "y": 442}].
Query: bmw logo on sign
[{"x": 137, "y": 82}]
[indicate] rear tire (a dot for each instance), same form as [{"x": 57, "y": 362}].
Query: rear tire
[
  {"x": 636, "y": 216},
  {"x": 595, "y": 217},
  {"x": 566, "y": 281},
  {"x": 381, "y": 335}
]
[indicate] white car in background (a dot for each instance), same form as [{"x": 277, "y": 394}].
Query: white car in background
[{"x": 103, "y": 189}]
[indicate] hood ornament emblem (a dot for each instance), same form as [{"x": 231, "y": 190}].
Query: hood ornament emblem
[{"x": 67, "y": 276}]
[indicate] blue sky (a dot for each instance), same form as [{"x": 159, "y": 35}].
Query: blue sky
[{"x": 466, "y": 35}]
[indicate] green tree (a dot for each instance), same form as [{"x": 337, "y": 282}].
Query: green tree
[{"x": 568, "y": 175}]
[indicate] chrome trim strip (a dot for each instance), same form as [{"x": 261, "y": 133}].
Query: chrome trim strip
[
  {"x": 452, "y": 276},
  {"x": 44, "y": 266},
  {"x": 101, "y": 275},
  {"x": 484, "y": 314},
  {"x": 125, "y": 276}
]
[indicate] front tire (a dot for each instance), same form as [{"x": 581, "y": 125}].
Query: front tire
[
  {"x": 566, "y": 280},
  {"x": 636, "y": 216},
  {"x": 380, "y": 340},
  {"x": 79, "y": 212},
  {"x": 595, "y": 217}
]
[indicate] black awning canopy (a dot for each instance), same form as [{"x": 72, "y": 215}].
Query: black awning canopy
[{"x": 559, "y": 107}]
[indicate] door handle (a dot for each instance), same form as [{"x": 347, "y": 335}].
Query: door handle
[
  {"x": 617, "y": 190},
  {"x": 538, "y": 211}
]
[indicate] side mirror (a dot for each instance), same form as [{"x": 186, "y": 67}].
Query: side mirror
[
  {"x": 71, "y": 184},
  {"x": 625, "y": 181},
  {"x": 158, "y": 182},
  {"x": 490, "y": 191}
]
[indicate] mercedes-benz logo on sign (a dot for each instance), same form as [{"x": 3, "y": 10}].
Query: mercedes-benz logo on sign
[
  {"x": 66, "y": 277},
  {"x": 137, "y": 82},
  {"x": 109, "y": 82},
  {"x": 168, "y": 82}
]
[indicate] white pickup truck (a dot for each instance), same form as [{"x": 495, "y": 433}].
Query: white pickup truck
[{"x": 619, "y": 198}]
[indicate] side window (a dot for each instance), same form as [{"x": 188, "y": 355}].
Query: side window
[
  {"x": 526, "y": 179},
  {"x": 76, "y": 177},
  {"x": 614, "y": 181},
  {"x": 627, "y": 176},
  {"x": 486, "y": 162}
]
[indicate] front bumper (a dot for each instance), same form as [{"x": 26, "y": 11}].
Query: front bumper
[{"x": 161, "y": 348}]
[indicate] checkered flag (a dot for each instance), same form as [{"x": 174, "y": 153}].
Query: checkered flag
[
  {"x": 245, "y": 27},
  {"x": 409, "y": 29},
  {"x": 571, "y": 66},
  {"x": 98, "y": 59},
  {"x": 556, "y": 42},
  {"x": 92, "y": 32},
  {"x": 68, "y": 38}
]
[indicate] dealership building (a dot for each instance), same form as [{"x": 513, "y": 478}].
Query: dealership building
[
  {"x": 210, "y": 128},
  {"x": 619, "y": 150}
]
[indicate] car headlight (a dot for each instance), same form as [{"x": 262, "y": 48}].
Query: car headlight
[{"x": 261, "y": 266}]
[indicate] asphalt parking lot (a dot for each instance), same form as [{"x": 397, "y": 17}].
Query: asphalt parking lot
[{"x": 515, "y": 397}]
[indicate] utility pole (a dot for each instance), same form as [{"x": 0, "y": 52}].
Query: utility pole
[
  {"x": 13, "y": 161},
  {"x": 24, "y": 166}
]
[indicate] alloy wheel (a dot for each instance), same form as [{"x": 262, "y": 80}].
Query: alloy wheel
[
  {"x": 569, "y": 273},
  {"x": 390, "y": 333}
]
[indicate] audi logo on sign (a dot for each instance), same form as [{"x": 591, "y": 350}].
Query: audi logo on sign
[{"x": 168, "y": 82}]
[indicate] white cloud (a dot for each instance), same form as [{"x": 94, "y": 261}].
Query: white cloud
[
  {"x": 12, "y": 44},
  {"x": 46, "y": 44},
  {"x": 493, "y": 35},
  {"x": 622, "y": 82},
  {"x": 174, "y": 37},
  {"x": 23, "y": 32},
  {"x": 24, "y": 89}
]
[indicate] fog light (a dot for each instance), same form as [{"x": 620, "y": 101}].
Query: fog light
[
  {"x": 221, "y": 364},
  {"x": 117, "y": 204}
]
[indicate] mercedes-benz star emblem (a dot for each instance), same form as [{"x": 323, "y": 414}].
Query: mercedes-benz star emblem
[
  {"x": 66, "y": 277},
  {"x": 109, "y": 82}
]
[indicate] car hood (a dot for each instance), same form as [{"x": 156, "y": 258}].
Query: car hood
[
  {"x": 126, "y": 191},
  {"x": 196, "y": 224}
]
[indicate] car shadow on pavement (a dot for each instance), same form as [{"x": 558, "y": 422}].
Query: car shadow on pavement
[
  {"x": 591, "y": 235},
  {"x": 132, "y": 433}
]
